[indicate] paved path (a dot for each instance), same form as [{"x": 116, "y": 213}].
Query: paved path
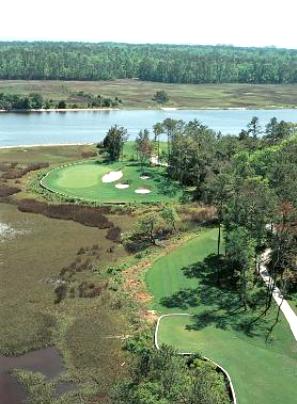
[
  {"x": 154, "y": 160},
  {"x": 288, "y": 312}
]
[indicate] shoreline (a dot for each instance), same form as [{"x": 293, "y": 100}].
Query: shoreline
[
  {"x": 58, "y": 110},
  {"x": 165, "y": 109},
  {"x": 26, "y": 146}
]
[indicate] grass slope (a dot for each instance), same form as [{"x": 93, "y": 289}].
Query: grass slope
[
  {"x": 261, "y": 373},
  {"x": 83, "y": 181},
  {"x": 138, "y": 94}
]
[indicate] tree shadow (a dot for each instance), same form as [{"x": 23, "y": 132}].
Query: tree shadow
[
  {"x": 182, "y": 299},
  {"x": 216, "y": 291},
  {"x": 239, "y": 320}
]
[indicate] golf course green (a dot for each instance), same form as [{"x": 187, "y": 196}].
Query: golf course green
[
  {"x": 86, "y": 181},
  {"x": 262, "y": 373}
]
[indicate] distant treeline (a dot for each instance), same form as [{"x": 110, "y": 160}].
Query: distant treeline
[
  {"x": 9, "y": 102},
  {"x": 162, "y": 63}
]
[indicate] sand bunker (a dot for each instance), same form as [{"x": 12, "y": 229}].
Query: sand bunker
[
  {"x": 112, "y": 176},
  {"x": 144, "y": 177},
  {"x": 122, "y": 186},
  {"x": 142, "y": 191}
]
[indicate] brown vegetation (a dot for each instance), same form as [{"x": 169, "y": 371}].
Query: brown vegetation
[
  {"x": 114, "y": 234},
  {"x": 88, "y": 154},
  {"x": 14, "y": 170},
  {"x": 6, "y": 190},
  {"x": 88, "y": 216},
  {"x": 89, "y": 289},
  {"x": 199, "y": 215}
]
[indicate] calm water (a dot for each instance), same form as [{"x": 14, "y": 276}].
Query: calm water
[
  {"x": 91, "y": 126},
  {"x": 46, "y": 361}
]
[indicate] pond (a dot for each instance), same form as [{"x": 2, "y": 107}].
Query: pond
[
  {"x": 91, "y": 126},
  {"x": 46, "y": 361}
]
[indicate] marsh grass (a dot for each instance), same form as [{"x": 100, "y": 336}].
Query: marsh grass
[
  {"x": 29, "y": 317},
  {"x": 138, "y": 94}
]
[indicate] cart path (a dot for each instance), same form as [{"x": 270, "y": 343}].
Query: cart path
[{"x": 286, "y": 309}]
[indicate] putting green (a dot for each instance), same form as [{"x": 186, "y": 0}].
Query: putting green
[
  {"x": 261, "y": 373},
  {"x": 83, "y": 180}
]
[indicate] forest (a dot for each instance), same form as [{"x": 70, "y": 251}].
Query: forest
[{"x": 158, "y": 63}]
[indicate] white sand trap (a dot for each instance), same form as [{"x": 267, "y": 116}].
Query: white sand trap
[
  {"x": 144, "y": 177},
  {"x": 142, "y": 191},
  {"x": 112, "y": 176},
  {"x": 122, "y": 186}
]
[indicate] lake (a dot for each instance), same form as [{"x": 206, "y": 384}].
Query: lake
[{"x": 91, "y": 126}]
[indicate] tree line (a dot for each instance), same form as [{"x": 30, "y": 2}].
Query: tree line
[
  {"x": 160, "y": 63},
  {"x": 14, "y": 102}
]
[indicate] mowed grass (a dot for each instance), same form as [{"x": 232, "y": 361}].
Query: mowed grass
[
  {"x": 262, "y": 372},
  {"x": 138, "y": 94},
  {"x": 84, "y": 181}
]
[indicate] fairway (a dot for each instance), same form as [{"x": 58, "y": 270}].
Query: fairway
[
  {"x": 261, "y": 373},
  {"x": 84, "y": 181}
]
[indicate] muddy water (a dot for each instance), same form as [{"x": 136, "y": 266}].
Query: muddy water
[
  {"x": 46, "y": 361},
  {"x": 11, "y": 392}
]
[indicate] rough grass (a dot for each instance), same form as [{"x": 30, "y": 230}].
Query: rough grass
[
  {"x": 138, "y": 94},
  {"x": 262, "y": 373},
  {"x": 32, "y": 255},
  {"x": 84, "y": 181},
  {"x": 44, "y": 154}
]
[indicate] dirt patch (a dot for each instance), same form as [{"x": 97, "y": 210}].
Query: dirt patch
[
  {"x": 143, "y": 297},
  {"x": 150, "y": 316},
  {"x": 82, "y": 214}
]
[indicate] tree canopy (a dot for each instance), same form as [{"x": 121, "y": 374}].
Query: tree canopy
[{"x": 160, "y": 63}]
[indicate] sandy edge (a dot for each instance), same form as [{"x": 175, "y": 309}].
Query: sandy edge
[
  {"x": 112, "y": 176},
  {"x": 142, "y": 191},
  {"x": 59, "y": 110},
  {"x": 46, "y": 145}
]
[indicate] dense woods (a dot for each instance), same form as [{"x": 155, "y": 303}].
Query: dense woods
[{"x": 162, "y": 63}]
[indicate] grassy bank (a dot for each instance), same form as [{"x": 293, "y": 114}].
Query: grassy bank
[
  {"x": 138, "y": 94},
  {"x": 262, "y": 373}
]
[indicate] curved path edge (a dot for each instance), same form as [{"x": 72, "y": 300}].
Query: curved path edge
[
  {"x": 224, "y": 371},
  {"x": 285, "y": 307}
]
